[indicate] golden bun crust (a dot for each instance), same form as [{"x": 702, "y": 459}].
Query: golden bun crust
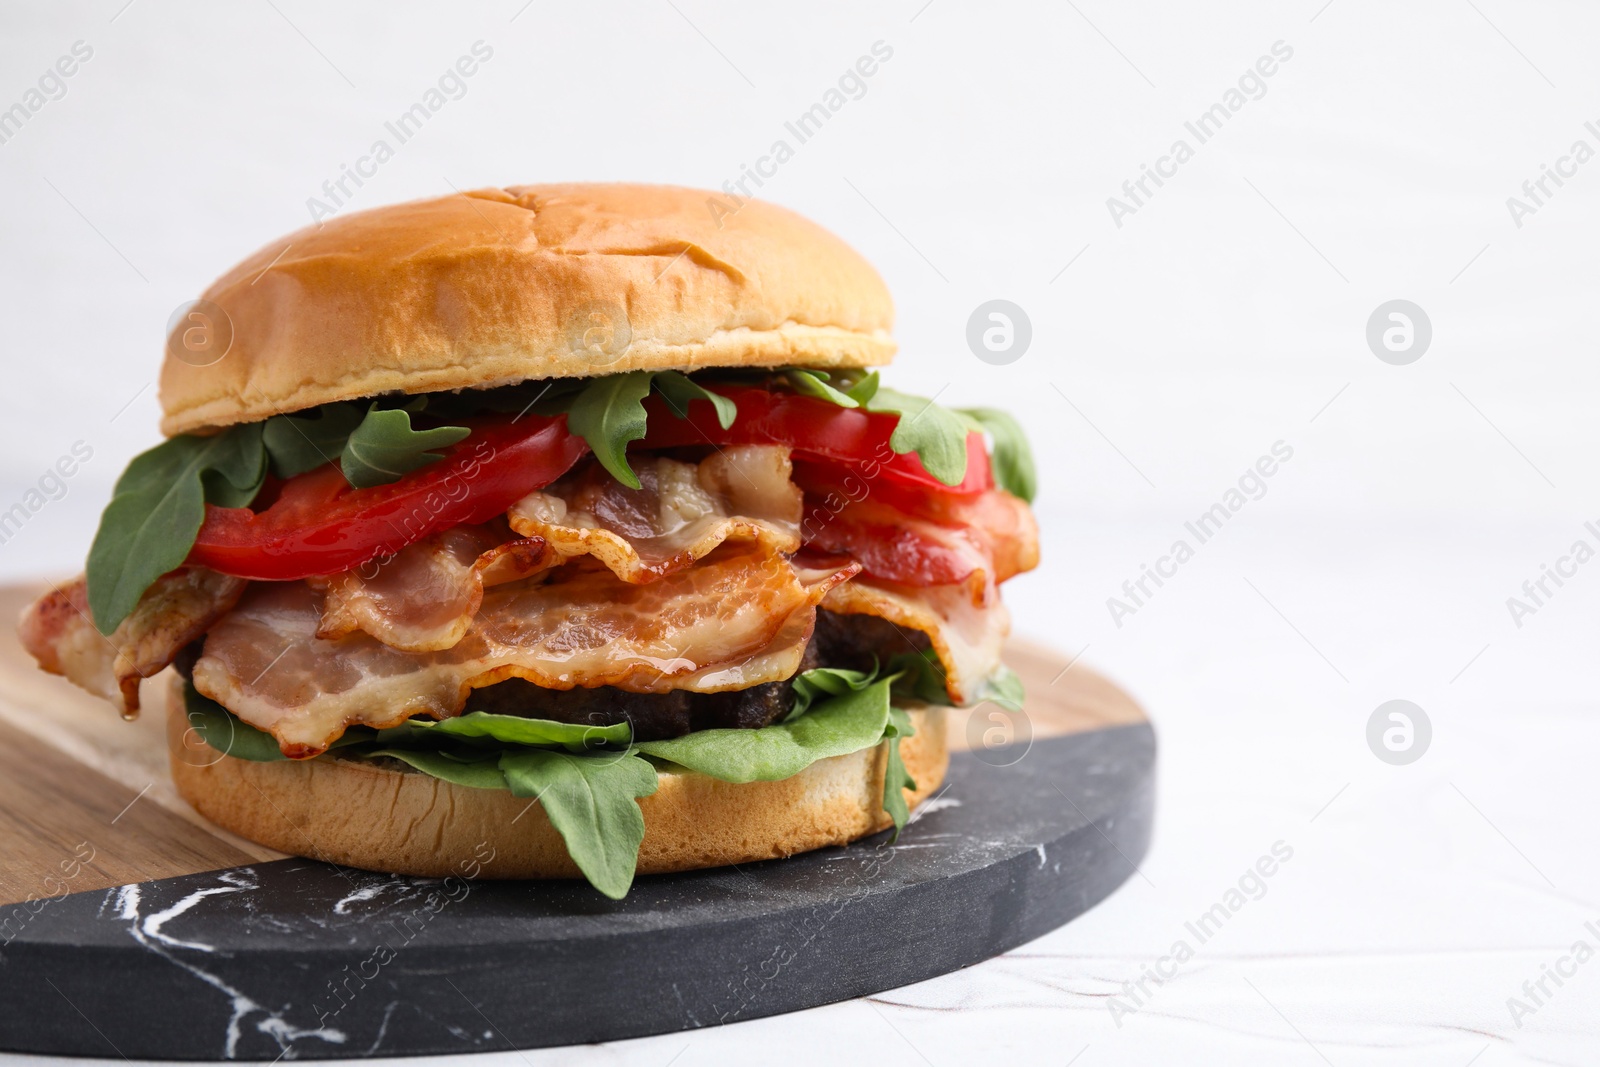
[
  {"x": 405, "y": 822},
  {"x": 497, "y": 286}
]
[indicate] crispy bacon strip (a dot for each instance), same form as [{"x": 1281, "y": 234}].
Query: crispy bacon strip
[
  {"x": 584, "y": 627},
  {"x": 966, "y": 636},
  {"x": 423, "y": 599},
  {"x": 1003, "y": 525},
  {"x": 680, "y": 513},
  {"x": 176, "y": 610},
  {"x": 978, "y": 541}
]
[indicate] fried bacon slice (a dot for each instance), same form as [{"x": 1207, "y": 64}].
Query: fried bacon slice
[
  {"x": 1001, "y": 524},
  {"x": 966, "y": 636},
  {"x": 424, "y": 598},
  {"x": 978, "y": 541},
  {"x": 174, "y": 611},
  {"x": 583, "y": 626},
  {"x": 679, "y": 514}
]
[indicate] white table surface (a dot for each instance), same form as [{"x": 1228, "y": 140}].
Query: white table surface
[{"x": 1226, "y": 315}]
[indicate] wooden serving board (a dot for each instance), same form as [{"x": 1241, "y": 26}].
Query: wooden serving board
[{"x": 223, "y": 947}]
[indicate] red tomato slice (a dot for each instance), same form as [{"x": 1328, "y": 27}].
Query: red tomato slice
[
  {"x": 316, "y": 524},
  {"x": 855, "y": 439},
  {"x": 833, "y": 484},
  {"x": 913, "y": 536},
  {"x": 319, "y": 525},
  {"x": 888, "y": 550},
  {"x": 866, "y": 520}
]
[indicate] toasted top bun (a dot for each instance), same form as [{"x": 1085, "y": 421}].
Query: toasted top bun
[{"x": 503, "y": 285}]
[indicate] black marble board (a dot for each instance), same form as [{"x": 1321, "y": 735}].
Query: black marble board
[{"x": 324, "y": 962}]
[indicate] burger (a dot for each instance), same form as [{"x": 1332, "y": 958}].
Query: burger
[{"x": 562, "y": 530}]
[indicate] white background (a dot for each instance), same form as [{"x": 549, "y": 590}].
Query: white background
[{"x": 1227, "y": 314}]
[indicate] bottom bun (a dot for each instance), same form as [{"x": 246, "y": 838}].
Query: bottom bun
[{"x": 406, "y": 822}]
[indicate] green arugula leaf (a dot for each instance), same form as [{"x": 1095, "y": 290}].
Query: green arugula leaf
[
  {"x": 1003, "y": 687},
  {"x": 225, "y": 732},
  {"x": 592, "y": 803},
  {"x": 815, "y": 383},
  {"x": 232, "y": 736},
  {"x": 511, "y": 729},
  {"x": 864, "y": 389},
  {"x": 937, "y": 435},
  {"x": 609, "y": 414},
  {"x": 822, "y": 682},
  {"x": 384, "y": 447},
  {"x": 1010, "y": 457},
  {"x": 299, "y": 443},
  {"x": 677, "y": 389},
  {"x": 156, "y": 511},
  {"x": 895, "y": 777},
  {"x": 849, "y": 722},
  {"x": 481, "y": 773},
  {"x": 920, "y": 677}
]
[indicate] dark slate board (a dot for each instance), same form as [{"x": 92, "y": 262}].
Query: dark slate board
[{"x": 335, "y": 962}]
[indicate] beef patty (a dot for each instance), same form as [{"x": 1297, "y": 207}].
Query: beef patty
[{"x": 854, "y": 642}]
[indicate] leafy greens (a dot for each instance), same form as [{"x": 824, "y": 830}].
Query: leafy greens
[
  {"x": 847, "y": 723},
  {"x": 610, "y": 415},
  {"x": 159, "y": 503},
  {"x": 156, "y": 510},
  {"x": 589, "y": 778},
  {"x": 591, "y": 801},
  {"x": 384, "y": 447},
  {"x": 1009, "y": 455},
  {"x": 937, "y": 435},
  {"x": 896, "y": 780},
  {"x": 299, "y": 443}
]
